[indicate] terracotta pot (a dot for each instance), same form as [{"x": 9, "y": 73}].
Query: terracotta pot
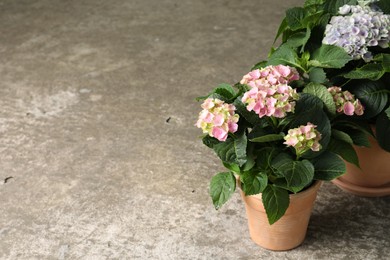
[
  {"x": 289, "y": 231},
  {"x": 373, "y": 179}
]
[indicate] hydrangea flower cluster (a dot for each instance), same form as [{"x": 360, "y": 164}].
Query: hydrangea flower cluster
[
  {"x": 304, "y": 138},
  {"x": 217, "y": 118},
  {"x": 345, "y": 102},
  {"x": 270, "y": 94},
  {"x": 358, "y": 28}
]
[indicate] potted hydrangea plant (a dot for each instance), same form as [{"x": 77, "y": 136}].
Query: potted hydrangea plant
[{"x": 294, "y": 119}]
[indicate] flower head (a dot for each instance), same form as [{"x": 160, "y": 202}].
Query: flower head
[
  {"x": 270, "y": 94},
  {"x": 217, "y": 118},
  {"x": 358, "y": 28},
  {"x": 345, "y": 102},
  {"x": 303, "y": 138}
]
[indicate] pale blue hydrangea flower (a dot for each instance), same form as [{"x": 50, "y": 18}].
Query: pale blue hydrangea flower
[{"x": 358, "y": 28}]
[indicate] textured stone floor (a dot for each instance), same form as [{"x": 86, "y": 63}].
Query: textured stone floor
[{"x": 99, "y": 155}]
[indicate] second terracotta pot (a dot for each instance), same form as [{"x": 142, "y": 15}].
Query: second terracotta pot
[
  {"x": 373, "y": 177},
  {"x": 289, "y": 231}
]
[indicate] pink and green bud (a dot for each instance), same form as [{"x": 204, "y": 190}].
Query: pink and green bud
[
  {"x": 217, "y": 118},
  {"x": 303, "y": 138},
  {"x": 270, "y": 94},
  {"x": 345, "y": 102}
]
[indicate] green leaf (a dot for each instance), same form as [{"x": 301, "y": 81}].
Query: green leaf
[
  {"x": 332, "y": 6},
  {"x": 297, "y": 173},
  {"x": 294, "y": 17},
  {"x": 328, "y": 166},
  {"x": 342, "y": 136},
  {"x": 259, "y": 65},
  {"x": 345, "y": 150},
  {"x": 372, "y": 71},
  {"x": 383, "y": 131},
  {"x": 387, "y": 111},
  {"x": 210, "y": 141},
  {"x": 267, "y": 138},
  {"x": 297, "y": 39},
  {"x": 359, "y": 138},
  {"x": 254, "y": 183},
  {"x": 384, "y": 5},
  {"x": 322, "y": 93},
  {"x": 222, "y": 186},
  {"x": 329, "y": 56},
  {"x": 313, "y": 2},
  {"x": 223, "y": 92},
  {"x": 233, "y": 150},
  {"x": 384, "y": 59},
  {"x": 284, "y": 55},
  {"x": 265, "y": 157},
  {"x": 232, "y": 167},
  {"x": 317, "y": 75},
  {"x": 282, "y": 27},
  {"x": 276, "y": 201},
  {"x": 372, "y": 94}
]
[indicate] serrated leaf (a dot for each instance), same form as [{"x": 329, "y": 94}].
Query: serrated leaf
[
  {"x": 284, "y": 55},
  {"x": 342, "y": 136},
  {"x": 359, "y": 138},
  {"x": 282, "y": 27},
  {"x": 209, "y": 141},
  {"x": 372, "y": 94},
  {"x": 345, "y": 150},
  {"x": 387, "y": 111},
  {"x": 317, "y": 75},
  {"x": 233, "y": 150},
  {"x": 265, "y": 157},
  {"x": 298, "y": 174},
  {"x": 322, "y": 93},
  {"x": 329, "y": 56},
  {"x": 332, "y": 6},
  {"x": 384, "y": 5},
  {"x": 254, "y": 183},
  {"x": 328, "y": 166},
  {"x": 222, "y": 186},
  {"x": 276, "y": 201},
  {"x": 384, "y": 59},
  {"x": 294, "y": 17},
  {"x": 372, "y": 71},
  {"x": 259, "y": 65}
]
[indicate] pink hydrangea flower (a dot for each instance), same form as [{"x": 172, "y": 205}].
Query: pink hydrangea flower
[
  {"x": 303, "y": 138},
  {"x": 345, "y": 102},
  {"x": 217, "y": 118},
  {"x": 270, "y": 94}
]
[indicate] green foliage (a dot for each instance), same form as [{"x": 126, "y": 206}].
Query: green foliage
[
  {"x": 276, "y": 201},
  {"x": 222, "y": 186},
  {"x": 345, "y": 150},
  {"x": 233, "y": 150},
  {"x": 317, "y": 75},
  {"x": 284, "y": 55},
  {"x": 295, "y": 16},
  {"x": 332, "y": 6},
  {"x": 372, "y": 94},
  {"x": 384, "y": 5},
  {"x": 322, "y": 93},
  {"x": 298, "y": 174},
  {"x": 372, "y": 71},
  {"x": 254, "y": 182},
  {"x": 328, "y": 166},
  {"x": 329, "y": 56}
]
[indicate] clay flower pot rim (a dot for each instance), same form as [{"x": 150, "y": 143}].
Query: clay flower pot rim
[{"x": 362, "y": 191}]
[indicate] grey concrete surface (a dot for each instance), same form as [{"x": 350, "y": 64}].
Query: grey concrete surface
[{"x": 91, "y": 167}]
